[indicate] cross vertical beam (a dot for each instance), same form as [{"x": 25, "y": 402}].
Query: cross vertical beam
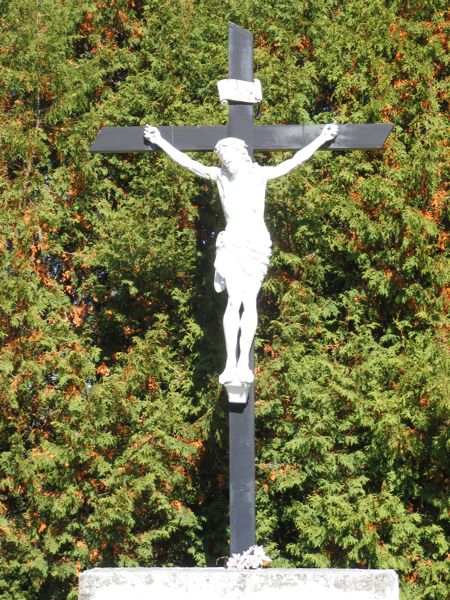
[{"x": 241, "y": 416}]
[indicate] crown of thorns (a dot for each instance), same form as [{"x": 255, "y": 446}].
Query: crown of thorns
[{"x": 230, "y": 141}]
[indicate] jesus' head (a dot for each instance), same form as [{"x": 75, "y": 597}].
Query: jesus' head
[{"x": 233, "y": 154}]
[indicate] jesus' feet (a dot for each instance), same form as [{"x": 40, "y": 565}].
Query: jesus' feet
[
  {"x": 244, "y": 374},
  {"x": 228, "y": 375}
]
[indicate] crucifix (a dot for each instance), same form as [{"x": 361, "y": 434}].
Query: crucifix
[{"x": 239, "y": 138}]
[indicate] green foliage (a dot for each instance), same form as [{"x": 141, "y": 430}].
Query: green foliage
[{"x": 112, "y": 426}]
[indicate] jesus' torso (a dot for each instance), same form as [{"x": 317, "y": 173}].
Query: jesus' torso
[{"x": 243, "y": 201}]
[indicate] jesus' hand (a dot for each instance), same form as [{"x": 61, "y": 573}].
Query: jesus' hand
[
  {"x": 152, "y": 135},
  {"x": 329, "y": 132}
]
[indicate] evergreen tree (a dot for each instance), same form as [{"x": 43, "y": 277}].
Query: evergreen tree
[{"x": 113, "y": 442}]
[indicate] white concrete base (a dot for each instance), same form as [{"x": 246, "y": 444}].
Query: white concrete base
[{"x": 223, "y": 584}]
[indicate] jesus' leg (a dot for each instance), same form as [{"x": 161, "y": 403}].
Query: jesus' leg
[
  {"x": 231, "y": 324},
  {"x": 249, "y": 321}
]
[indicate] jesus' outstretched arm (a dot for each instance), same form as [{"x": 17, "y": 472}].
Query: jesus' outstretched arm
[
  {"x": 152, "y": 135},
  {"x": 328, "y": 133}
]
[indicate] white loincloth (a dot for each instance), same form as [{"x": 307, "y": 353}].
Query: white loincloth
[{"x": 250, "y": 257}]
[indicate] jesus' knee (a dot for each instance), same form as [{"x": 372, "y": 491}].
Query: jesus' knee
[
  {"x": 250, "y": 308},
  {"x": 234, "y": 304}
]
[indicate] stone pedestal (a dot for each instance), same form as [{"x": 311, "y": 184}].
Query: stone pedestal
[
  {"x": 237, "y": 392},
  {"x": 223, "y": 584}
]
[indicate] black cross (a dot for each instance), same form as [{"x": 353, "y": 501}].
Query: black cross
[{"x": 257, "y": 137}]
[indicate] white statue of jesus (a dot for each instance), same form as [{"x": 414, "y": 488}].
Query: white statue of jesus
[{"x": 243, "y": 248}]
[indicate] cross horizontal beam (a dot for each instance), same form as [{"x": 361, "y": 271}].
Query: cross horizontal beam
[
  {"x": 294, "y": 137},
  {"x": 265, "y": 137}
]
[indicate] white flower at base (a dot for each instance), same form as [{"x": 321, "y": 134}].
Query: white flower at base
[{"x": 253, "y": 558}]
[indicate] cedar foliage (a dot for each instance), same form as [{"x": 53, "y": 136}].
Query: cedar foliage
[{"x": 112, "y": 426}]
